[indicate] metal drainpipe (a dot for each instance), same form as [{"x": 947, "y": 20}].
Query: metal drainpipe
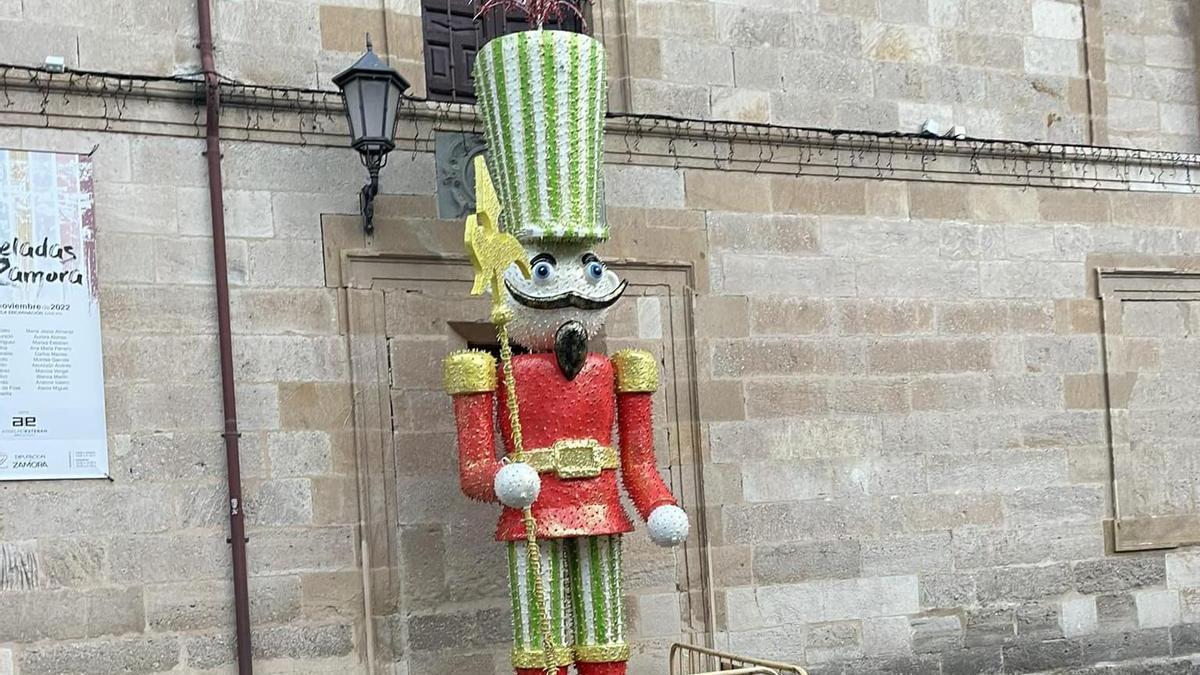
[{"x": 233, "y": 462}]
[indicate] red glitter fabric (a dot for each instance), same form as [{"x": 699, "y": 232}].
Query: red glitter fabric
[
  {"x": 613, "y": 668},
  {"x": 477, "y": 461},
  {"x": 635, "y": 419},
  {"x": 552, "y": 409}
]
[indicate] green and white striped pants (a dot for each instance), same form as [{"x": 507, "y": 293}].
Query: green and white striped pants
[{"x": 582, "y": 582}]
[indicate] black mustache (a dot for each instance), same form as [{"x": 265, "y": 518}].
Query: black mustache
[{"x": 568, "y": 299}]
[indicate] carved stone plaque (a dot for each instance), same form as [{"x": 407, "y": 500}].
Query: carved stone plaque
[{"x": 454, "y": 154}]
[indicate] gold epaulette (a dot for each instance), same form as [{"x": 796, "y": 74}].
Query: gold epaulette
[
  {"x": 636, "y": 371},
  {"x": 469, "y": 371}
]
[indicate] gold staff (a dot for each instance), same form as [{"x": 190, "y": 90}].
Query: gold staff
[{"x": 492, "y": 252}]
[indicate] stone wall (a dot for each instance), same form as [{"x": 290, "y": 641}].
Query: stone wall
[
  {"x": 1009, "y": 69},
  {"x": 1150, "y": 53},
  {"x": 301, "y": 43},
  {"x": 1076, "y": 71},
  {"x": 902, "y": 400},
  {"x": 914, "y": 462},
  {"x": 901, "y": 385},
  {"x": 133, "y": 574}
]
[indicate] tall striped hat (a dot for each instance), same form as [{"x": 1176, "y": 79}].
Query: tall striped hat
[{"x": 542, "y": 97}]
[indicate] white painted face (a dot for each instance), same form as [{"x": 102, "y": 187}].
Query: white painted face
[{"x": 568, "y": 282}]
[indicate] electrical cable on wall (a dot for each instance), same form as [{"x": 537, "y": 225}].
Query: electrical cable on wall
[{"x": 716, "y": 144}]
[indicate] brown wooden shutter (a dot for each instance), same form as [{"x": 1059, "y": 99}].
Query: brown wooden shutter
[{"x": 453, "y": 36}]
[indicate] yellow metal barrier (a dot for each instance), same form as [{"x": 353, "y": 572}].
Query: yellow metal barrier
[{"x": 693, "y": 660}]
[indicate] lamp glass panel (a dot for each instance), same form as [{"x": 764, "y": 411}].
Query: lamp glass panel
[
  {"x": 392, "y": 109},
  {"x": 375, "y": 94},
  {"x": 354, "y": 108}
]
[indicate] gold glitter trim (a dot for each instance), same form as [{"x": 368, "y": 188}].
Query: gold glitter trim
[
  {"x": 602, "y": 653},
  {"x": 573, "y": 459},
  {"x": 636, "y": 371},
  {"x": 469, "y": 371},
  {"x": 528, "y": 658}
]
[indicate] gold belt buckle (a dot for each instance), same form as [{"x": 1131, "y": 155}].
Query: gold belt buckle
[{"x": 578, "y": 459}]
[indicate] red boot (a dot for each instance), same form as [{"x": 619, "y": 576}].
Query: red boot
[{"x": 613, "y": 668}]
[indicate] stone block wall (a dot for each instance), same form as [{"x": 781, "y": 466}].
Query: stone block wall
[
  {"x": 901, "y": 383},
  {"x": 1011, "y": 69},
  {"x": 1150, "y": 52},
  {"x": 901, "y": 401},
  {"x": 903, "y": 414},
  {"x": 299, "y": 43},
  {"x": 133, "y": 575},
  {"x": 914, "y": 466},
  {"x": 1075, "y": 71}
]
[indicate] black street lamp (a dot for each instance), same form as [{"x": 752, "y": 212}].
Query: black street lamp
[{"x": 372, "y": 91}]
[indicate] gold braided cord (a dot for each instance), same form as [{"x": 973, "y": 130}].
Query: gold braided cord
[
  {"x": 501, "y": 315},
  {"x": 492, "y": 252}
]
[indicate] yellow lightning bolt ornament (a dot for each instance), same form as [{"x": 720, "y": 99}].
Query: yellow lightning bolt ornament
[{"x": 491, "y": 250}]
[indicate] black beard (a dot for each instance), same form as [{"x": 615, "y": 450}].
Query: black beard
[{"x": 570, "y": 348}]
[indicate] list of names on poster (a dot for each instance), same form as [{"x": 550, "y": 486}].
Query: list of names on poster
[
  {"x": 8, "y": 385},
  {"x": 50, "y": 356}
]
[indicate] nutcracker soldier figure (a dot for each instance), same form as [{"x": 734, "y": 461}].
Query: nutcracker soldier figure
[{"x": 541, "y": 95}]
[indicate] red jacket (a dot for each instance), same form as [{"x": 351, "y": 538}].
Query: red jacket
[{"x": 553, "y": 409}]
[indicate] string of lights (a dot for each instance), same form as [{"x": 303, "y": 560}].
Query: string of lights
[{"x": 657, "y": 139}]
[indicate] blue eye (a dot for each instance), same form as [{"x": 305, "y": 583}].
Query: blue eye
[
  {"x": 595, "y": 270},
  {"x": 543, "y": 271}
]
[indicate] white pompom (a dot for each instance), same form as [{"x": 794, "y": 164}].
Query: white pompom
[
  {"x": 668, "y": 525},
  {"x": 517, "y": 485}
]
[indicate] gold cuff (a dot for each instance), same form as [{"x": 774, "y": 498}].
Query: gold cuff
[
  {"x": 469, "y": 371},
  {"x": 530, "y": 658},
  {"x": 573, "y": 459},
  {"x": 636, "y": 371},
  {"x": 602, "y": 653}
]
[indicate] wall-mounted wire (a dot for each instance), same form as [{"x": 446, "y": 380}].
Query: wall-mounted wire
[{"x": 818, "y": 151}]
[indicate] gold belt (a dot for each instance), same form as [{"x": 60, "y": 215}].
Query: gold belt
[{"x": 573, "y": 459}]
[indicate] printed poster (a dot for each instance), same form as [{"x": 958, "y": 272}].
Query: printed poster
[{"x": 51, "y": 376}]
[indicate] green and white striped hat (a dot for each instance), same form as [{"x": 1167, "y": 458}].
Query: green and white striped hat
[{"x": 542, "y": 98}]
